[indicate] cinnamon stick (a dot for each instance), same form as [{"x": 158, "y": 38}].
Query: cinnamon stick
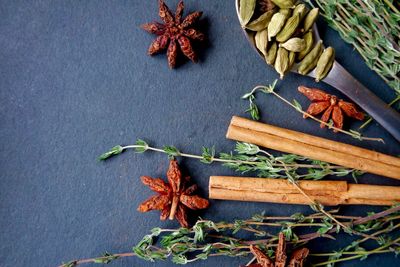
[
  {"x": 319, "y": 152},
  {"x": 315, "y": 141},
  {"x": 329, "y": 193}
]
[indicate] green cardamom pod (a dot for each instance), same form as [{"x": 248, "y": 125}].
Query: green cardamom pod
[
  {"x": 309, "y": 39},
  {"x": 284, "y": 3},
  {"x": 282, "y": 62},
  {"x": 261, "y": 22},
  {"x": 310, "y": 19},
  {"x": 246, "y": 10},
  {"x": 292, "y": 57},
  {"x": 271, "y": 54},
  {"x": 261, "y": 40},
  {"x": 289, "y": 28},
  {"x": 325, "y": 63},
  {"x": 310, "y": 60},
  {"x": 286, "y": 11},
  {"x": 301, "y": 9},
  {"x": 276, "y": 25},
  {"x": 294, "y": 44}
]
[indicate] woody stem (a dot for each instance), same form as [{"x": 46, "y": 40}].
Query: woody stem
[{"x": 174, "y": 206}]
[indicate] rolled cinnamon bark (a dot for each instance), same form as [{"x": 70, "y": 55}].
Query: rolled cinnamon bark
[
  {"x": 279, "y": 143},
  {"x": 330, "y": 193},
  {"x": 315, "y": 141}
]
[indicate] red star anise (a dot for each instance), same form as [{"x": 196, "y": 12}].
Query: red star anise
[
  {"x": 173, "y": 198},
  {"x": 330, "y": 105},
  {"x": 175, "y": 31},
  {"x": 297, "y": 259}
]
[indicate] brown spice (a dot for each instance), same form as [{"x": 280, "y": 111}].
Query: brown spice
[
  {"x": 174, "y": 32},
  {"x": 173, "y": 198},
  {"x": 297, "y": 259},
  {"x": 330, "y": 105}
]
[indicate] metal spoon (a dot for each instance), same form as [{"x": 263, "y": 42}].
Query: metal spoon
[{"x": 343, "y": 81}]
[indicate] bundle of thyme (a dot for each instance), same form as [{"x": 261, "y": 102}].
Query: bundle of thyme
[
  {"x": 250, "y": 158},
  {"x": 210, "y": 239},
  {"x": 373, "y": 28}
]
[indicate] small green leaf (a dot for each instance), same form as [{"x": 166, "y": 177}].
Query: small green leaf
[
  {"x": 297, "y": 105},
  {"x": 245, "y": 96},
  {"x": 142, "y": 146},
  {"x": 112, "y": 152},
  {"x": 171, "y": 151},
  {"x": 156, "y": 231},
  {"x": 179, "y": 259},
  {"x": 246, "y": 148},
  {"x": 208, "y": 155}
]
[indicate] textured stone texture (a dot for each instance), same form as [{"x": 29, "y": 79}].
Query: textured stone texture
[{"x": 75, "y": 80}]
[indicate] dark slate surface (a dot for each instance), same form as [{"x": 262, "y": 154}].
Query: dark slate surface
[{"x": 75, "y": 80}]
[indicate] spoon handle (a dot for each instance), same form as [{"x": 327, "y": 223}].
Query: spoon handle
[{"x": 342, "y": 80}]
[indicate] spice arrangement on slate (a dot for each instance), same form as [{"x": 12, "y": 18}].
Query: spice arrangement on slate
[{"x": 282, "y": 31}]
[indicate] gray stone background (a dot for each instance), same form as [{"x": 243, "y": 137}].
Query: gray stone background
[{"x": 75, "y": 80}]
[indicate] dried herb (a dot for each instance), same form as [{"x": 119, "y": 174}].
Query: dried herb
[
  {"x": 174, "y": 32},
  {"x": 330, "y": 105},
  {"x": 211, "y": 239},
  {"x": 250, "y": 158},
  {"x": 173, "y": 198},
  {"x": 270, "y": 89}
]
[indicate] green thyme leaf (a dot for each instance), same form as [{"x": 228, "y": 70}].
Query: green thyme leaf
[
  {"x": 297, "y": 105},
  {"x": 171, "y": 151},
  {"x": 208, "y": 155},
  {"x": 142, "y": 146},
  {"x": 112, "y": 152}
]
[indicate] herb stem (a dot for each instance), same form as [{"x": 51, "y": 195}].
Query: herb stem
[
  {"x": 216, "y": 159},
  {"x": 270, "y": 90}
]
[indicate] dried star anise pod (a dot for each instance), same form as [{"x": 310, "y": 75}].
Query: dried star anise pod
[
  {"x": 173, "y": 198},
  {"x": 175, "y": 31},
  {"x": 330, "y": 105},
  {"x": 297, "y": 259}
]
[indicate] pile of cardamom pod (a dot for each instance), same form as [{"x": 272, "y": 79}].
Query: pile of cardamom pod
[{"x": 284, "y": 35}]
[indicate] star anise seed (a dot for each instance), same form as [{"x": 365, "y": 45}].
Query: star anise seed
[
  {"x": 175, "y": 31},
  {"x": 173, "y": 198},
  {"x": 330, "y": 106}
]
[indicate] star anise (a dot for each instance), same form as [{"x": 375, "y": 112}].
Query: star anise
[
  {"x": 297, "y": 259},
  {"x": 330, "y": 105},
  {"x": 175, "y": 31},
  {"x": 173, "y": 198}
]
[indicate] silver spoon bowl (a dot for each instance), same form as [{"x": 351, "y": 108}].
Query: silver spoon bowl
[{"x": 343, "y": 81}]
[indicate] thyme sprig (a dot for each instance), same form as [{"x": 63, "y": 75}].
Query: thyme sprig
[
  {"x": 372, "y": 27},
  {"x": 270, "y": 89},
  {"x": 249, "y": 158},
  {"x": 210, "y": 239}
]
